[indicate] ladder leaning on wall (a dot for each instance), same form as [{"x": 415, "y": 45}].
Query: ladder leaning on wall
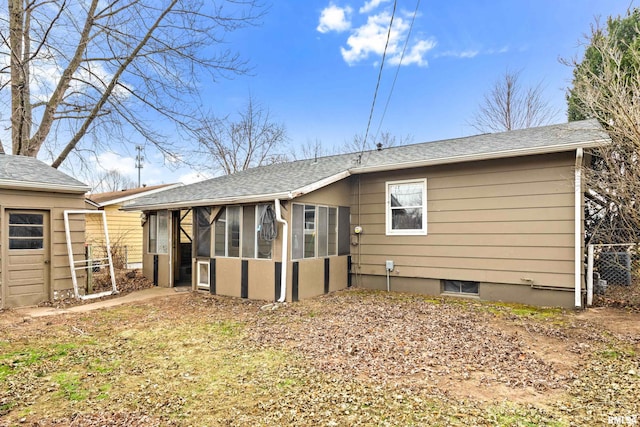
[{"x": 86, "y": 264}]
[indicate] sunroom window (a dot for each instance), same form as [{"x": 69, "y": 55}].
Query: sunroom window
[{"x": 237, "y": 233}]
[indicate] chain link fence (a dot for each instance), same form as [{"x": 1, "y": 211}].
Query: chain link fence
[{"x": 614, "y": 270}]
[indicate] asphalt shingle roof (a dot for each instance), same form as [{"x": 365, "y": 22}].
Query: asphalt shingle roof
[
  {"x": 289, "y": 178},
  {"x": 29, "y": 172}
]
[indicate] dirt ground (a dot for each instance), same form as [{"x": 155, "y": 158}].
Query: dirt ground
[{"x": 447, "y": 348}]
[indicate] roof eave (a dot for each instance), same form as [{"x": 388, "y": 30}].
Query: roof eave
[
  {"x": 288, "y": 195},
  {"x": 481, "y": 156},
  {"x": 209, "y": 202},
  {"x": 137, "y": 196},
  {"x": 43, "y": 186}
]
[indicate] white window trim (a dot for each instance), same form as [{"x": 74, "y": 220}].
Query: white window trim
[{"x": 405, "y": 232}]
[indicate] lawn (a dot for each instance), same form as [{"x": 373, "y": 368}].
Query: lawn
[{"x": 349, "y": 358}]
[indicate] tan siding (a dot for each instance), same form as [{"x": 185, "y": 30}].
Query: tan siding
[
  {"x": 311, "y": 278},
  {"x": 493, "y": 221},
  {"x": 228, "y": 276},
  {"x": 261, "y": 280},
  {"x": 56, "y": 204}
]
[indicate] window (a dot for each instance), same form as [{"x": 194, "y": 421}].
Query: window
[
  {"x": 159, "y": 232},
  {"x": 319, "y": 231},
  {"x": 407, "y": 207},
  {"x": 237, "y": 232},
  {"x": 460, "y": 287},
  {"x": 309, "y": 231},
  {"x": 203, "y": 274},
  {"x": 26, "y": 231}
]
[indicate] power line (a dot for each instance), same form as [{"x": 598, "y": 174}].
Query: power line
[
  {"x": 375, "y": 93},
  {"x": 395, "y": 78}
]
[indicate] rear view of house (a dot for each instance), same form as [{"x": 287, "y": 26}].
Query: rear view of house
[
  {"x": 491, "y": 217},
  {"x": 35, "y": 263}
]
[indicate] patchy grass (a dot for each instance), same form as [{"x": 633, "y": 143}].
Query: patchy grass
[{"x": 348, "y": 358}]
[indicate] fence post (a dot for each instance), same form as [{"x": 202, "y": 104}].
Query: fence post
[
  {"x": 90, "y": 269},
  {"x": 589, "y": 275}
]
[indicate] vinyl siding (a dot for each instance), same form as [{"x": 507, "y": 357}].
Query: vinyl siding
[
  {"x": 494, "y": 221},
  {"x": 125, "y": 233}
]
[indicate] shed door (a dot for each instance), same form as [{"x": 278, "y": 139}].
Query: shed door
[{"x": 27, "y": 244}]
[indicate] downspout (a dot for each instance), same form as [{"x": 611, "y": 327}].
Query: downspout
[
  {"x": 577, "y": 230},
  {"x": 285, "y": 253}
]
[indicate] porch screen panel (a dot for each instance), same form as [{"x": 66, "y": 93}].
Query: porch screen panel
[
  {"x": 233, "y": 231},
  {"x": 322, "y": 231},
  {"x": 203, "y": 232},
  {"x": 344, "y": 220},
  {"x": 309, "y": 231},
  {"x": 153, "y": 233},
  {"x": 264, "y": 246},
  {"x": 220, "y": 231},
  {"x": 248, "y": 232},
  {"x": 332, "y": 233},
  {"x": 297, "y": 231},
  {"x": 163, "y": 232}
]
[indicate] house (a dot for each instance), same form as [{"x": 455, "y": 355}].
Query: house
[
  {"x": 494, "y": 217},
  {"x": 35, "y": 265},
  {"x": 125, "y": 228}
]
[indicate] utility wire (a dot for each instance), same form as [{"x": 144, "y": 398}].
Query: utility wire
[
  {"x": 395, "y": 78},
  {"x": 375, "y": 93}
]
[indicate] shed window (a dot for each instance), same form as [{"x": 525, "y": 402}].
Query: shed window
[
  {"x": 26, "y": 231},
  {"x": 460, "y": 287},
  {"x": 159, "y": 232},
  {"x": 407, "y": 207}
]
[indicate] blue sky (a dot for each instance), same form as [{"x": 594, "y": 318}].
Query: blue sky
[{"x": 316, "y": 63}]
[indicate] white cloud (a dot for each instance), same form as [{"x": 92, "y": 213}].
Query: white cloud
[
  {"x": 109, "y": 161},
  {"x": 371, "y": 5},
  {"x": 335, "y": 18},
  {"x": 370, "y": 39},
  {"x": 416, "y": 54},
  {"x": 461, "y": 54}
]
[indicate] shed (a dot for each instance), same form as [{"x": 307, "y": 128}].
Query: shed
[
  {"x": 125, "y": 227},
  {"x": 33, "y": 196},
  {"x": 490, "y": 217}
]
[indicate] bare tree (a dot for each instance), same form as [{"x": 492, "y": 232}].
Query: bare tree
[
  {"x": 606, "y": 86},
  {"x": 92, "y": 67},
  {"x": 509, "y": 106},
  {"x": 113, "y": 181},
  {"x": 249, "y": 141}
]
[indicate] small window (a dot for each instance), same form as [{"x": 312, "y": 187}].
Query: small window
[
  {"x": 309, "y": 231},
  {"x": 26, "y": 231},
  {"x": 407, "y": 207},
  {"x": 159, "y": 232},
  {"x": 203, "y": 274},
  {"x": 460, "y": 287}
]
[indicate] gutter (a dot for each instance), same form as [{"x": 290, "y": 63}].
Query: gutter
[
  {"x": 285, "y": 253},
  {"x": 577, "y": 229},
  {"x": 479, "y": 156}
]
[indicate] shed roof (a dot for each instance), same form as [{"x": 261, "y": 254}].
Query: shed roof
[
  {"x": 292, "y": 179},
  {"x": 29, "y": 173}
]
